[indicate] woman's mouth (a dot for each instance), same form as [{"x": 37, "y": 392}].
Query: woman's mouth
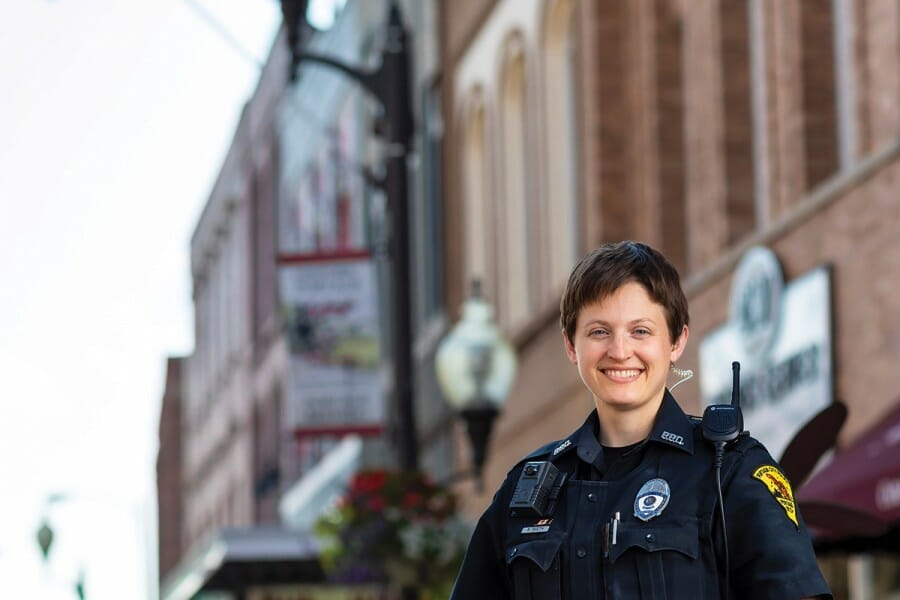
[{"x": 622, "y": 374}]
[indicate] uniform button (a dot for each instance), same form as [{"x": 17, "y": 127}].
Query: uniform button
[
  {"x": 513, "y": 551},
  {"x": 581, "y": 553},
  {"x": 650, "y": 538},
  {"x": 592, "y": 497}
]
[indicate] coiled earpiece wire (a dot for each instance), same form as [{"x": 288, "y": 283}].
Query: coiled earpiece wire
[{"x": 683, "y": 374}]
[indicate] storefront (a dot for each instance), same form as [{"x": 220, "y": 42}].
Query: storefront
[
  {"x": 807, "y": 380},
  {"x": 853, "y": 502},
  {"x": 239, "y": 559}
]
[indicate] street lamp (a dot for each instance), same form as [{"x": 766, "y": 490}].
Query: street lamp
[{"x": 475, "y": 370}]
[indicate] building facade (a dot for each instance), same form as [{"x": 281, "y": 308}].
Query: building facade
[
  {"x": 290, "y": 258},
  {"x": 228, "y": 477},
  {"x": 702, "y": 128},
  {"x": 168, "y": 471}
]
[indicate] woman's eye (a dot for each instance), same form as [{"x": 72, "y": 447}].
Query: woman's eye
[
  {"x": 641, "y": 331},
  {"x": 597, "y": 332}
]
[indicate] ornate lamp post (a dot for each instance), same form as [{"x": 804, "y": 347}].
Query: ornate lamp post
[{"x": 475, "y": 370}]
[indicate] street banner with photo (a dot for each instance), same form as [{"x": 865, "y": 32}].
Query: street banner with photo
[{"x": 331, "y": 320}]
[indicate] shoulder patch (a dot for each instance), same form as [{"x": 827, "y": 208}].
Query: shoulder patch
[{"x": 780, "y": 488}]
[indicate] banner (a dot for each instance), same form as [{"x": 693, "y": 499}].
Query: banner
[{"x": 331, "y": 318}]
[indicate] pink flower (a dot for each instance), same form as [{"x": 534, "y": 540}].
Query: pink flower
[
  {"x": 412, "y": 499},
  {"x": 376, "y": 503}
]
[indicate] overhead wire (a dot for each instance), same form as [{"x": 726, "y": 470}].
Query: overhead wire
[{"x": 222, "y": 31}]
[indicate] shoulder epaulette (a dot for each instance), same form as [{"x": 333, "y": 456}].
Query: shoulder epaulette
[
  {"x": 550, "y": 451},
  {"x": 545, "y": 450}
]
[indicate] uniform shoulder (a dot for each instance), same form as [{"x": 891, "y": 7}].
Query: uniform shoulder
[
  {"x": 548, "y": 451},
  {"x": 743, "y": 443},
  {"x": 746, "y": 444},
  {"x": 544, "y": 451}
]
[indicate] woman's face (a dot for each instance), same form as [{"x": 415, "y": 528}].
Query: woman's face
[{"x": 623, "y": 352}]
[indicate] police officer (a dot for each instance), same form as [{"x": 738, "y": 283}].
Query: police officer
[{"x": 627, "y": 506}]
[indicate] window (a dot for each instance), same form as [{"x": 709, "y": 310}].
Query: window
[
  {"x": 476, "y": 196},
  {"x": 428, "y": 240},
  {"x": 516, "y": 253},
  {"x": 561, "y": 239},
  {"x": 740, "y": 195},
  {"x": 819, "y": 99}
]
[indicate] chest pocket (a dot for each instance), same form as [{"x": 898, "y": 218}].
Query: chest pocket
[
  {"x": 660, "y": 560},
  {"x": 535, "y": 567}
]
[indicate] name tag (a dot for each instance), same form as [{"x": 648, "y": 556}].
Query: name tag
[
  {"x": 536, "y": 529},
  {"x": 542, "y": 526}
]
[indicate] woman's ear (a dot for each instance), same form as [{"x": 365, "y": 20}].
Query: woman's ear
[
  {"x": 570, "y": 349},
  {"x": 679, "y": 345}
]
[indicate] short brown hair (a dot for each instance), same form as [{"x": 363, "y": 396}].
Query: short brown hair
[{"x": 609, "y": 267}]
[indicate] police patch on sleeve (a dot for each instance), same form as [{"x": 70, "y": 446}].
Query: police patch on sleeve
[{"x": 779, "y": 487}]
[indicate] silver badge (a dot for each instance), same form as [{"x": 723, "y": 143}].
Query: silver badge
[{"x": 651, "y": 499}]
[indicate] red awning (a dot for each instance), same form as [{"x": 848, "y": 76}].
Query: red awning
[{"x": 858, "y": 492}]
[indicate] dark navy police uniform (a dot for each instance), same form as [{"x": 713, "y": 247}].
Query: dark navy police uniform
[{"x": 581, "y": 551}]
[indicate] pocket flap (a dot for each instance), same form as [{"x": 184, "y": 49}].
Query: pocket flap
[
  {"x": 683, "y": 537},
  {"x": 541, "y": 552}
]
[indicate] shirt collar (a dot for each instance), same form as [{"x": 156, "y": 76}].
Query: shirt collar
[
  {"x": 672, "y": 427},
  {"x": 587, "y": 439}
]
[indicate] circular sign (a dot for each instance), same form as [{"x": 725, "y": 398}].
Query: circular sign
[{"x": 756, "y": 300}]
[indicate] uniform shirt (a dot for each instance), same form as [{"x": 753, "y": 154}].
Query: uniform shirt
[{"x": 582, "y": 551}]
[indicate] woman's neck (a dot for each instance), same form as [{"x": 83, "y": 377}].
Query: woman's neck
[{"x": 625, "y": 427}]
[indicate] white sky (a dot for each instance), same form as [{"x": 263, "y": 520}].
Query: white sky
[{"x": 115, "y": 118}]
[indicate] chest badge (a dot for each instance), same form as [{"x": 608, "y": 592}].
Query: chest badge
[{"x": 651, "y": 499}]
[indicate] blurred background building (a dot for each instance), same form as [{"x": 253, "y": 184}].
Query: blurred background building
[{"x": 755, "y": 143}]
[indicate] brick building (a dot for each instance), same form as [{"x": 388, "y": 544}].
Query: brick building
[
  {"x": 248, "y": 469},
  {"x": 168, "y": 470},
  {"x": 703, "y": 128},
  {"x": 228, "y": 477}
]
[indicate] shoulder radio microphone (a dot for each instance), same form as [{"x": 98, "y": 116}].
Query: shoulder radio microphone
[{"x": 723, "y": 423}]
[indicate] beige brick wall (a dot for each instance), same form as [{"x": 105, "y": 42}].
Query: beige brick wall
[
  {"x": 878, "y": 76},
  {"x": 667, "y": 155},
  {"x": 858, "y": 234}
]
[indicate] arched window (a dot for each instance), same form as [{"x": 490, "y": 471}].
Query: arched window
[
  {"x": 740, "y": 194},
  {"x": 819, "y": 94},
  {"x": 561, "y": 192},
  {"x": 476, "y": 197},
  {"x": 516, "y": 253}
]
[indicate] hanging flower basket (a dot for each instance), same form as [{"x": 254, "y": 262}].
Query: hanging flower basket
[{"x": 396, "y": 528}]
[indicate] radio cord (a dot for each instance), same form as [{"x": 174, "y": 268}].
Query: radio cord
[{"x": 720, "y": 455}]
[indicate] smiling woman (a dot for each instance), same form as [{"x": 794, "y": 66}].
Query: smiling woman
[
  {"x": 623, "y": 351},
  {"x": 632, "y": 507}
]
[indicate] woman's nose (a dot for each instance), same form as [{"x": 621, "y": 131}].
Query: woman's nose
[{"x": 618, "y": 347}]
